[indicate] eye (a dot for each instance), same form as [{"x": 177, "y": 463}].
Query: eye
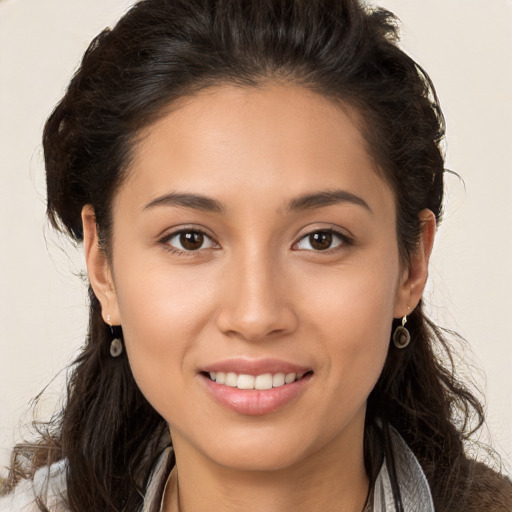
[
  {"x": 189, "y": 240},
  {"x": 321, "y": 240}
]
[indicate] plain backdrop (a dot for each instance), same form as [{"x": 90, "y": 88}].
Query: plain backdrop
[{"x": 465, "y": 46}]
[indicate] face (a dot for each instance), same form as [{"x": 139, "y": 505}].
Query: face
[{"x": 254, "y": 246}]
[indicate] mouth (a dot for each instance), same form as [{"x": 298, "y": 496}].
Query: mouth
[
  {"x": 258, "y": 394},
  {"x": 262, "y": 382}
]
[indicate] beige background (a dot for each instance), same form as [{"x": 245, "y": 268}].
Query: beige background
[{"x": 465, "y": 45}]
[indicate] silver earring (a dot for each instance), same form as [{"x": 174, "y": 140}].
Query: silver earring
[
  {"x": 116, "y": 345},
  {"x": 402, "y": 336}
]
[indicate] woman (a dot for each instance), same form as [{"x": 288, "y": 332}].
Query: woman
[{"x": 257, "y": 186}]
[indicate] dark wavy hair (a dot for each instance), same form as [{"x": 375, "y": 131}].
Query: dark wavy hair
[{"x": 162, "y": 50}]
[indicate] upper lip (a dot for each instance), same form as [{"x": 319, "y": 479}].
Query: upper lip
[{"x": 255, "y": 367}]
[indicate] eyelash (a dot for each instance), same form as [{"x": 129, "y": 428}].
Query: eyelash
[
  {"x": 182, "y": 252},
  {"x": 344, "y": 240}
]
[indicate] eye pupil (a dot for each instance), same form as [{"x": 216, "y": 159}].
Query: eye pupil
[
  {"x": 320, "y": 240},
  {"x": 191, "y": 240}
]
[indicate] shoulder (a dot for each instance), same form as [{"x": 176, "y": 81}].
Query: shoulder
[
  {"x": 489, "y": 491},
  {"x": 48, "y": 487}
]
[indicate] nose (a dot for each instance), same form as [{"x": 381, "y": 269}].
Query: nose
[{"x": 256, "y": 302}]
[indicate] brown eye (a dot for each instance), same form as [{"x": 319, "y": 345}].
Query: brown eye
[
  {"x": 321, "y": 241},
  {"x": 189, "y": 241}
]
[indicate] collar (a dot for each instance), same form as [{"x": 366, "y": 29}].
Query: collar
[
  {"x": 412, "y": 482},
  {"x": 414, "y": 488},
  {"x": 155, "y": 492}
]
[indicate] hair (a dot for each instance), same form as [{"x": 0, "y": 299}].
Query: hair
[{"x": 163, "y": 50}]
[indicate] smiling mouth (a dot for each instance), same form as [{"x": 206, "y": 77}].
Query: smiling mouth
[{"x": 259, "y": 382}]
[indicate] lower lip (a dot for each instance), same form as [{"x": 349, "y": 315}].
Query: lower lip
[{"x": 255, "y": 402}]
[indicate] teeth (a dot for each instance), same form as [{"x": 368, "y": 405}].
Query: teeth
[
  {"x": 261, "y": 382},
  {"x": 245, "y": 382},
  {"x": 278, "y": 380},
  {"x": 231, "y": 379},
  {"x": 290, "y": 377}
]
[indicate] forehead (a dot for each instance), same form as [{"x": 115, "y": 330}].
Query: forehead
[{"x": 266, "y": 143}]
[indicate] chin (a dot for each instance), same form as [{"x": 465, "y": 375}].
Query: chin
[
  {"x": 266, "y": 459},
  {"x": 264, "y": 448}
]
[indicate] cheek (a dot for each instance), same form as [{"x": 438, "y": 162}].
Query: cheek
[
  {"x": 357, "y": 301},
  {"x": 161, "y": 314},
  {"x": 353, "y": 313},
  {"x": 156, "y": 298}
]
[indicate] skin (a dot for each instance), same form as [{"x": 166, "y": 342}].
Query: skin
[{"x": 257, "y": 288}]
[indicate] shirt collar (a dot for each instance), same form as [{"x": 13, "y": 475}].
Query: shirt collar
[
  {"x": 412, "y": 482},
  {"x": 414, "y": 488},
  {"x": 155, "y": 492}
]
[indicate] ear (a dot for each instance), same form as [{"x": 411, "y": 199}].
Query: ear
[
  {"x": 98, "y": 268},
  {"x": 414, "y": 276}
]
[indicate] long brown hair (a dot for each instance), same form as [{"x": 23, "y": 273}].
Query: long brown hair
[{"x": 162, "y": 50}]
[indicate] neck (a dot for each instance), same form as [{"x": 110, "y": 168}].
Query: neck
[{"x": 333, "y": 480}]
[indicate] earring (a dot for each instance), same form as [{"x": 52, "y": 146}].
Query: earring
[
  {"x": 402, "y": 336},
  {"x": 116, "y": 345}
]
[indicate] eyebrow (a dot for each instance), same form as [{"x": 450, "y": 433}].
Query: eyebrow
[
  {"x": 326, "y": 198},
  {"x": 192, "y": 201},
  {"x": 305, "y": 202}
]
